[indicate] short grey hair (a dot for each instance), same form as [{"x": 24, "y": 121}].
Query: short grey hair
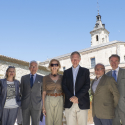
[
  {"x": 75, "y": 52},
  {"x": 100, "y": 64},
  {"x": 33, "y": 61}
]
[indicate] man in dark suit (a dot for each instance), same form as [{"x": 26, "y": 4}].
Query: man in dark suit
[
  {"x": 31, "y": 90},
  {"x": 75, "y": 84},
  {"x": 119, "y": 76}
]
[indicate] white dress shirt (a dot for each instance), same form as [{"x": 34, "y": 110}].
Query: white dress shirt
[
  {"x": 75, "y": 72},
  {"x": 34, "y": 77},
  {"x": 117, "y": 70}
]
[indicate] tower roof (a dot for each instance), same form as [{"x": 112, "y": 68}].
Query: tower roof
[{"x": 99, "y": 24}]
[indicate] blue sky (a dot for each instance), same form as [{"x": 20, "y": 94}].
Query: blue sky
[{"x": 41, "y": 29}]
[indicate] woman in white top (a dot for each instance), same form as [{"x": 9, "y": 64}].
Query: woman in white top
[{"x": 9, "y": 97}]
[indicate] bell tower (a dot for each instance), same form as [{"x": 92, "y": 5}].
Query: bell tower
[{"x": 99, "y": 34}]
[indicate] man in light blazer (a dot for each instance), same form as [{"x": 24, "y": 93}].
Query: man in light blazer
[
  {"x": 75, "y": 84},
  {"x": 31, "y": 90},
  {"x": 105, "y": 97},
  {"x": 119, "y": 76}
]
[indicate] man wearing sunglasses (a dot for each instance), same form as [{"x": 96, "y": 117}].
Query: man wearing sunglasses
[
  {"x": 105, "y": 97},
  {"x": 75, "y": 84}
]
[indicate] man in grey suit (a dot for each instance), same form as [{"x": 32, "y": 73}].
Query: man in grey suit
[
  {"x": 119, "y": 76},
  {"x": 31, "y": 90}
]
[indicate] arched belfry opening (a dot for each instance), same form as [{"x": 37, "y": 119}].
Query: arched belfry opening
[
  {"x": 99, "y": 34},
  {"x": 97, "y": 38}
]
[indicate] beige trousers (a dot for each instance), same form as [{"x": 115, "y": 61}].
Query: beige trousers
[
  {"x": 54, "y": 110},
  {"x": 76, "y": 116}
]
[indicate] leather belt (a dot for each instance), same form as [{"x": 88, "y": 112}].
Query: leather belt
[{"x": 55, "y": 94}]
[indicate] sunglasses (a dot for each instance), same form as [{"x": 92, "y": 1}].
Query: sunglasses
[
  {"x": 10, "y": 67},
  {"x": 52, "y": 65}
]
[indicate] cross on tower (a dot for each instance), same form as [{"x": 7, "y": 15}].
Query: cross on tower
[{"x": 98, "y": 6}]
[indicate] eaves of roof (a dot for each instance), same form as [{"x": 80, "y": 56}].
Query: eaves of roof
[
  {"x": 83, "y": 50},
  {"x": 20, "y": 62}
]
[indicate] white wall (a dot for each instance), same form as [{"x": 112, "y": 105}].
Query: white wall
[{"x": 20, "y": 69}]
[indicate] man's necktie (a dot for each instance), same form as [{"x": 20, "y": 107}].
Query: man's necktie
[
  {"x": 31, "y": 81},
  {"x": 114, "y": 75}
]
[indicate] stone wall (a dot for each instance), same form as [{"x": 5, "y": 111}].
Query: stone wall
[
  {"x": 100, "y": 55},
  {"x": 20, "y": 69}
]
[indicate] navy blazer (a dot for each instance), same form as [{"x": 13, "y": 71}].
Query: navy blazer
[
  {"x": 3, "y": 93},
  {"x": 82, "y": 86}
]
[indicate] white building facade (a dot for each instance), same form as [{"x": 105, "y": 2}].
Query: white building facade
[{"x": 99, "y": 51}]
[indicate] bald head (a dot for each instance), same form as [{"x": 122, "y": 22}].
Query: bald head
[
  {"x": 99, "y": 70},
  {"x": 100, "y": 65}
]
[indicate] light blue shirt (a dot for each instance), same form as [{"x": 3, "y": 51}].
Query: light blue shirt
[
  {"x": 34, "y": 77},
  {"x": 75, "y": 72},
  {"x": 95, "y": 84}
]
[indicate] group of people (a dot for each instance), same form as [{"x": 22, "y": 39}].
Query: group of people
[
  {"x": 52, "y": 93},
  {"x": 26, "y": 95},
  {"x": 108, "y": 91}
]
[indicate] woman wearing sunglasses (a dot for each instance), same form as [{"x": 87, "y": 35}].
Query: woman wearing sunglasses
[
  {"x": 52, "y": 95},
  {"x": 9, "y": 97}
]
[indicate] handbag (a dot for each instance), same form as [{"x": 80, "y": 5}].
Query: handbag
[{"x": 41, "y": 117}]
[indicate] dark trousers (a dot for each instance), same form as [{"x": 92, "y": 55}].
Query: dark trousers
[
  {"x": 98, "y": 121},
  {"x": 31, "y": 112},
  {"x": 9, "y": 116}
]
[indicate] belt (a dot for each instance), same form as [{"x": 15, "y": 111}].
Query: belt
[{"x": 55, "y": 94}]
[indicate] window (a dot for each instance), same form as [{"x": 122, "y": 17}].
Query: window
[
  {"x": 92, "y": 62},
  {"x": 102, "y": 40},
  {"x": 97, "y": 38},
  {"x": 106, "y": 38},
  {"x": 96, "y": 25},
  {"x": 64, "y": 68},
  {"x": 97, "y": 18}
]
